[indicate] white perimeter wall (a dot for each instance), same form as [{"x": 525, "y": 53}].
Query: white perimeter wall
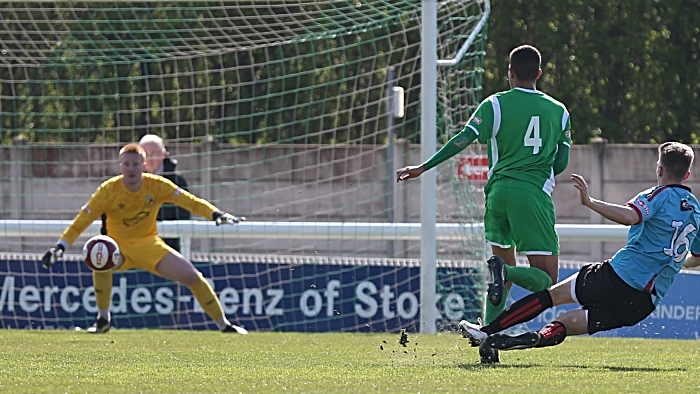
[{"x": 303, "y": 183}]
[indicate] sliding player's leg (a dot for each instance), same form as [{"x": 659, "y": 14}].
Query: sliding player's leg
[
  {"x": 607, "y": 300},
  {"x": 608, "y": 303},
  {"x": 521, "y": 311},
  {"x": 532, "y": 305},
  {"x": 570, "y": 323},
  {"x": 175, "y": 267}
]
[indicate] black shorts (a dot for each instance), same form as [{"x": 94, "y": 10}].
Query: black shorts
[{"x": 610, "y": 302}]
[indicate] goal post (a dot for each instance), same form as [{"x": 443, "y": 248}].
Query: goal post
[
  {"x": 429, "y": 110},
  {"x": 276, "y": 111},
  {"x": 428, "y": 181}
]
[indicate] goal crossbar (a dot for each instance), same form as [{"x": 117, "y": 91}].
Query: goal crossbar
[{"x": 470, "y": 40}]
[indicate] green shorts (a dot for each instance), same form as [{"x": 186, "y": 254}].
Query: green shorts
[{"x": 520, "y": 214}]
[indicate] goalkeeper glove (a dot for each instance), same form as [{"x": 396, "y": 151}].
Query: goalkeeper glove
[
  {"x": 52, "y": 255},
  {"x": 221, "y": 217}
]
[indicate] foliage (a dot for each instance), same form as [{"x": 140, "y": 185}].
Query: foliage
[
  {"x": 117, "y": 71},
  {"x": 627, "y": 70}
]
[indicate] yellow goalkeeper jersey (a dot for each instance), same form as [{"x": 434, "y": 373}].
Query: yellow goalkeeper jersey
[{"x": 132, "y": 215}]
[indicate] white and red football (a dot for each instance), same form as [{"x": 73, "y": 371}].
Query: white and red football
[{"x": 101, "y": 253}]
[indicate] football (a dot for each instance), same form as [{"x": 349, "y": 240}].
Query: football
[{"x": 101, "y": 253}]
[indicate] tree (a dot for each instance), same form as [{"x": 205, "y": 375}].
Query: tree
[{"x": 626, "y": 69}]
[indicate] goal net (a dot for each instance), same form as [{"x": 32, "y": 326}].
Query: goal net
[{"x": 281, "y": 111}]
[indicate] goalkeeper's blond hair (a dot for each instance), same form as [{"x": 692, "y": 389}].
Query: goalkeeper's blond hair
[{"x": 132, "y": 148}]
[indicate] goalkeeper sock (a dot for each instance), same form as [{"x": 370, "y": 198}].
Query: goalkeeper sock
[
  {"x": 104, "y": 313},
  {"x": 521, "y": 311},
  {"x": 222, "y": 322},
  {"x": 493, "y": 311},
  {"x": 207, "y": 299},
  {"x": 103, "y": 292},
  {"x": 529, "y": 278}
]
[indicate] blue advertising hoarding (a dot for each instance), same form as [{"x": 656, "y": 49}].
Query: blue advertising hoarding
[
  {"x": 260, "y": 296},
  {"x": 291, "y": 297}
]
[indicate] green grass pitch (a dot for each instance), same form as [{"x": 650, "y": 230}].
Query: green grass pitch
[{"x": 160, "y": 361}]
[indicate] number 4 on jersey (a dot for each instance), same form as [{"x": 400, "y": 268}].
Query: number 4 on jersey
[{"x": 532, "y": 137}]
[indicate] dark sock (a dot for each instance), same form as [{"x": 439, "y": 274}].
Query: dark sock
[
  {"x": 520, "y": 311},
  {"x": 552, "y": 334}
]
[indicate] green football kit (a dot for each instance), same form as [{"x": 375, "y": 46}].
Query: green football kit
[{"x": 528, "y": 136}]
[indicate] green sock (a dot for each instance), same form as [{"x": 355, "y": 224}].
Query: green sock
[
  {"x": 493, "y": 311},
  {"x": 529, "y": 278}
]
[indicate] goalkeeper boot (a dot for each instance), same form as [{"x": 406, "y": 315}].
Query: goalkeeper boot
[
  {"x": 525, "y": 340},
  {"x": 235, "y": 329},
  {"x": 488, "y": 354},
  {"x": 497, "y": 266},
  {"x": 100, "y": 326}
]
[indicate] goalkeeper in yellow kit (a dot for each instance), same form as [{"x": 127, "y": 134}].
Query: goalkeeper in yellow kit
[{"x": 131, "y": 202}]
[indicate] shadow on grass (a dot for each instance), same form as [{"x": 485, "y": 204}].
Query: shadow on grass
[
  {"x": 610, "y": 368},
  {"x": 641, "y": 369},
  {"x": 498, "y": 366}
]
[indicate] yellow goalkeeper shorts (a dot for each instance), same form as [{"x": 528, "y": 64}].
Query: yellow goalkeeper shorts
[{"x": 144, "y": 253}]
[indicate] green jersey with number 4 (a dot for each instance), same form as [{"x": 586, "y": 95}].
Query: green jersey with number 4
[{"x": 523, "y": 129}]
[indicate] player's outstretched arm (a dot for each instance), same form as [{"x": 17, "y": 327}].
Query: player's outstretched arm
[
  {"x": 617, "y": 213},
  {"x": 455, "y": 145},
  {"x": 81, "y": 221},
  {"x": 221, "y": 217},
  {"x": 53, "y": 255},
  {"x": 409, "y": 172}
]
